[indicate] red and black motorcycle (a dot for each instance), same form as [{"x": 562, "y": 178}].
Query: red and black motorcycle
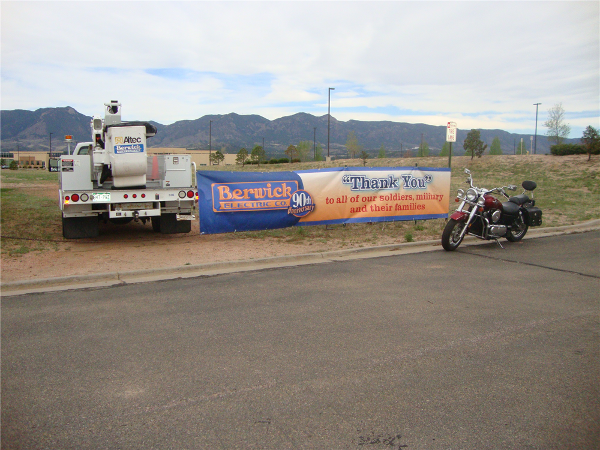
[{"x": 482, "y": 215}]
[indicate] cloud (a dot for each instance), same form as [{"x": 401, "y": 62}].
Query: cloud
[{"x": 482, "y": 64}]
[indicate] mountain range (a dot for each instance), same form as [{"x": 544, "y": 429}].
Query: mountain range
[{"x": 30, "y": 130}]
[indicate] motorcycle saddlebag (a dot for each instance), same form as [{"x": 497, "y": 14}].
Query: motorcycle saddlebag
[{"x": 534, "y": 216}]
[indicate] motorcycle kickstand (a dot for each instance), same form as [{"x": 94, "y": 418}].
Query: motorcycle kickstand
[{"x": 498, "y": 242}]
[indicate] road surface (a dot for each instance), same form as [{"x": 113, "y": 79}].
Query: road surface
[{"x": 478, "y": 348}]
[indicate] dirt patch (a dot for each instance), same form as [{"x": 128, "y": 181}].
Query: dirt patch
[{"x": 135, "y": 246}]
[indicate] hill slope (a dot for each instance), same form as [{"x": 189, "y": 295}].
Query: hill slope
[{"x": 31, "y": 130}]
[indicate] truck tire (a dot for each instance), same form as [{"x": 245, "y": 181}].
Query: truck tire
[
  {"x": 170, "y": 225},
  {"x": 80, "y": 227},
  {"x": 155, "y": 224}
]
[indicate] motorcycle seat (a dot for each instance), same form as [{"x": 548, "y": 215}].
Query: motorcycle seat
[
  {"x": 519, "y": 199},
  {"x": 511, "y": 208}
]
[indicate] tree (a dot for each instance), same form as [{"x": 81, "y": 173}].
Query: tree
[
  {"x": 473, "y": 145},
  {"x": 217, "y": 157},
  {"x": 364, "y": 156},
  {"x": 558, "y": 130},
  {"x": 381, "y": 153},
  {"x": 291, "y": 152},
  {"x": 496, "y": 148},
  {"x": 13, "y": 165},
  {"x": 591, "y": 141},
  {"x": 423, "y": 149},
  {"x": 258, "y": 154},
  {"x": 319, "y": 156},
  {"x": 304, "y": 149},
  {"x": 352, "y": 145},
  {"x": 242, "y": 156},
  {"x": 445, "y": 151}
]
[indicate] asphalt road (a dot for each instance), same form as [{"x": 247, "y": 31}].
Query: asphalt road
[{"x": 482, "y": 348}]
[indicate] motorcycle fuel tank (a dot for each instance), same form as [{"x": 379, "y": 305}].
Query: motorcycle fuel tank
[{"x": 491, "y": 203}]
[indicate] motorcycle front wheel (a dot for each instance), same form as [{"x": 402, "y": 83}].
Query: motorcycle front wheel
[
  {"x": 451, "y": 237},
  {"x": 517, "y": 230}
]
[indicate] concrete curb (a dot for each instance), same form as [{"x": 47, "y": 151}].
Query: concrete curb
[{"x": 210, "y": 269}]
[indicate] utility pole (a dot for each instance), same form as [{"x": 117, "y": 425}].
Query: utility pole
[
  {"x": 328, "y": 117},
  {"x": 209, "y": 141},
  {"x": 315, "y": 145}
]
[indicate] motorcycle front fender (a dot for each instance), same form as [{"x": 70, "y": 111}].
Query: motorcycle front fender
[{"x": 460, "y": 216}]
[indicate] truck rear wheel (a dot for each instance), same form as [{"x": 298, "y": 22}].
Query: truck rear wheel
[
  {"x": 155, "y": 224},
  {"x": 80, "y": 227},
  {"x": 168, "y": 224}
]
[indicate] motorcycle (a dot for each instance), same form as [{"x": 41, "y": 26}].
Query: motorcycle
[{"x": 482, "y": 215}]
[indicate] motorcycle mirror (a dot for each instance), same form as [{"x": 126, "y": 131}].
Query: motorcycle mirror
[
  {"x": 467, "y": 171},
  {"x": 512, "y": 187}
]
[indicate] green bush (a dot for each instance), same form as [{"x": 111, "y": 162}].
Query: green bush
[{"x": 568, "y": 149}]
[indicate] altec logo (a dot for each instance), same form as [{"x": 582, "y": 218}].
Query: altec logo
[
  {"x": 127, "y": 140},
  {"x": 252, "y": 196}
]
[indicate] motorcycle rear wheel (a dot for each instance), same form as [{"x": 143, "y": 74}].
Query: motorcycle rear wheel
[
  {"x": 451, "y": 237},
  {"x": 517, "y": 230}
]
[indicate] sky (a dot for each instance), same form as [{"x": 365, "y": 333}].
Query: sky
[{"x": 481, "y": 64}]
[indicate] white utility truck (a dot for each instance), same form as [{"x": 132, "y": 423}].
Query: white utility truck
[{"x": 112, "y": 178}]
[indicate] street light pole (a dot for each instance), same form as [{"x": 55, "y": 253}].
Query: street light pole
[
  {"x": 328, "y": 116},
  {"x": 209, "y": 141},
  {"x": 315, "y": 145},
  {"x": 536, "y": 116},
  {"x": 50, "y": 151}
]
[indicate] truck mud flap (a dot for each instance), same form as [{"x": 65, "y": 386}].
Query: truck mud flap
[
  {"x": 168, "y": 224},
  {"x": 80, "y": 227}
]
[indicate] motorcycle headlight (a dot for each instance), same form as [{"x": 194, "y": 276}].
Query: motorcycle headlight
[
  {"x": 460, "y": 194},
  {"x": 481, "y": 201},
  {"x": 472, "y": 195}
]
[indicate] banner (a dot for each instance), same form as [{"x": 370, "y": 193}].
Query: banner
[{"x": 244, "y": 201}]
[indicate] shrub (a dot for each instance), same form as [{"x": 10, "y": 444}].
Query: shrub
[{"x": 567, "y": 149}]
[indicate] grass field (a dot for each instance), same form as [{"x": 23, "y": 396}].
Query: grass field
[{"x": 568, "y": 192}]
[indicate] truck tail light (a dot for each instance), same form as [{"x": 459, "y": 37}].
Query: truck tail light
[
  {"x": 74, "y": 198},
  {"x": 67, "y": 199},
  {"x": 197, "y": 196},
  {"x": 190, "y": 194}
]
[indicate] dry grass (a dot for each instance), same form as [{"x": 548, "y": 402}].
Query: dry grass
[{"x": 568, "y": 192}]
